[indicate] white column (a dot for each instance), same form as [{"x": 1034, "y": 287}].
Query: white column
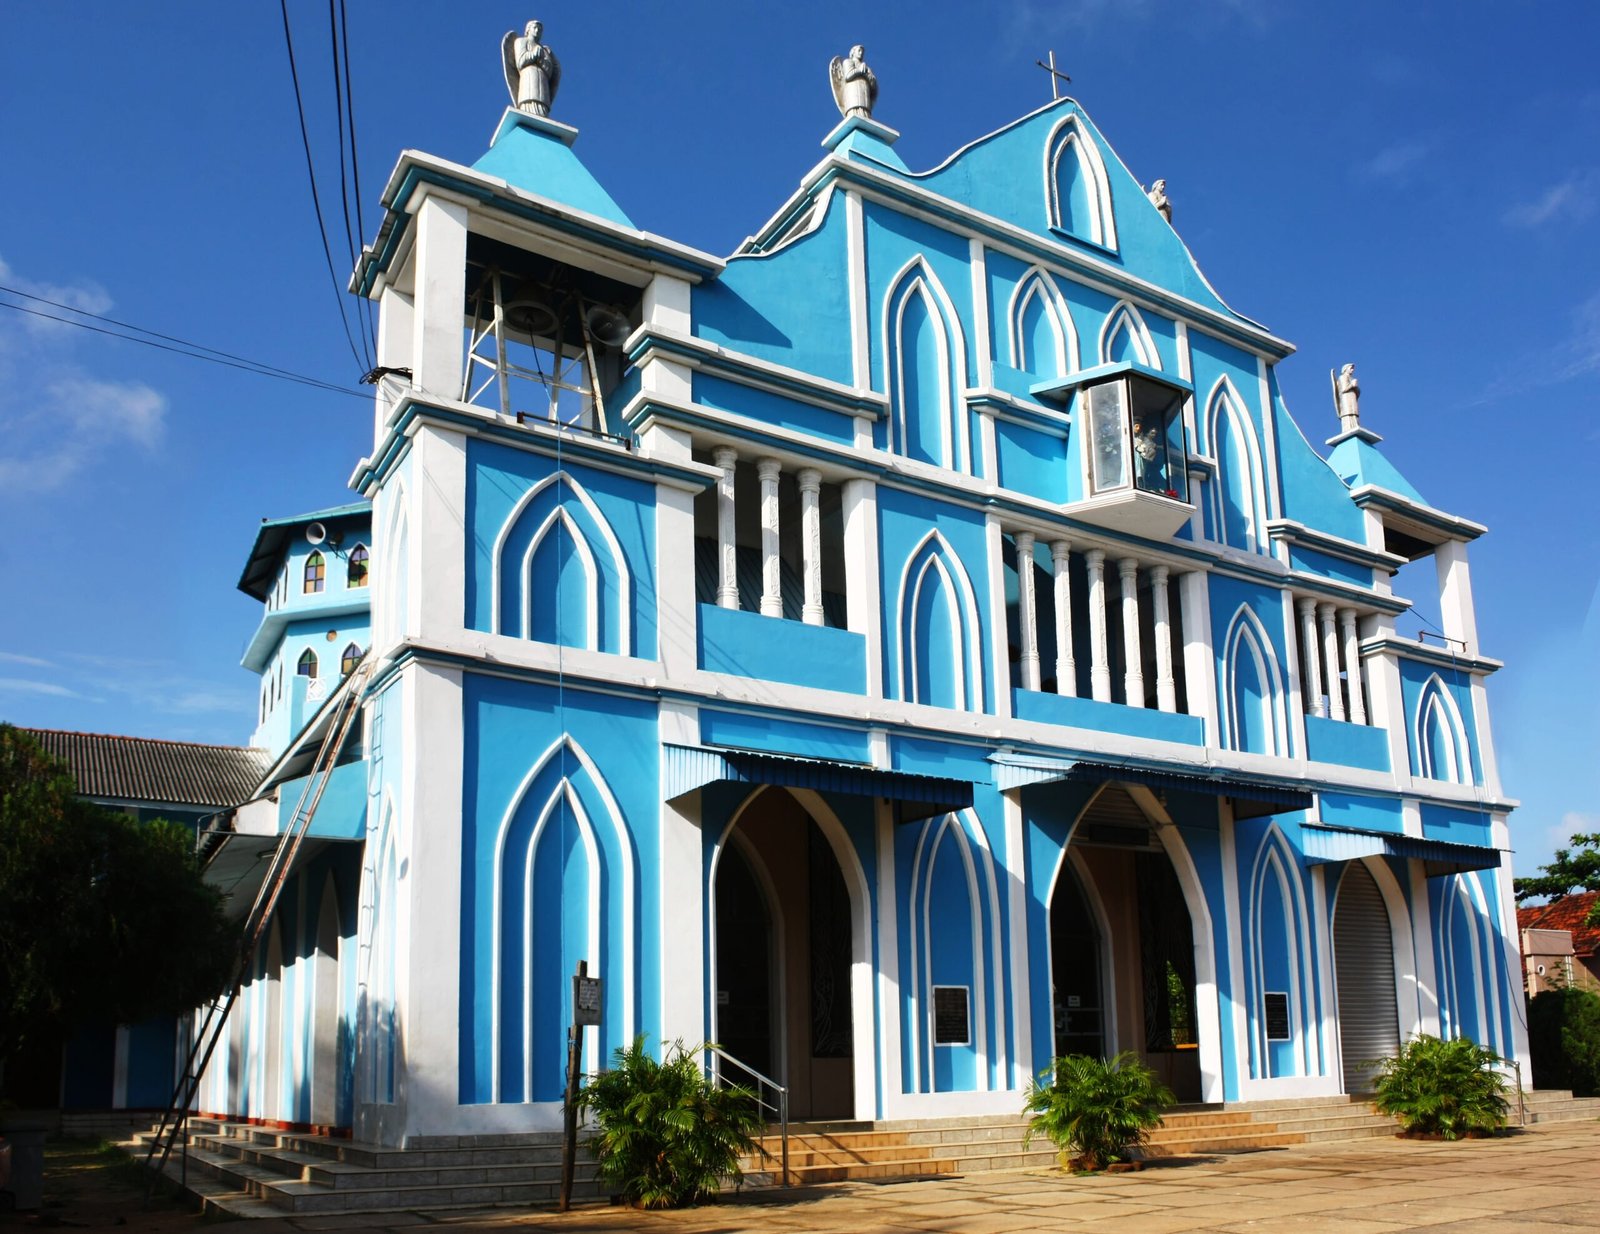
[
  {"x": 811, "y": 544},
  {"x": 1199, "y": 661},
  {"x": 1166, "y": 687},
  {"x": 863, "y": 600},
  {"x": 1456, "y": 611},
  {"x": 727, "y": 553},
  {"x": 1330, "y": 661},
  {"x": 1133, "y": 676},
  {"x": 1027, "y": 611},
  {"x": 1308, "y": 655},
  {"x": 1066, "y": 666},
  {"x": 438, "y": 346},
  {"x": 771, "y": 582},
  {"x": 1352, "y": 664},
  {"x": 1099, "y": 660}
]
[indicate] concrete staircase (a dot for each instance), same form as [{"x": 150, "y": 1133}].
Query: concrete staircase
[{"x": 248, "y": 1170}]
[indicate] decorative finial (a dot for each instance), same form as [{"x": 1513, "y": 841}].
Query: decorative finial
[
  {"x": 1347, "y": 392},
  {"x": 532, "y": 71},
  {"x": 855, "y": 89},
  {"x": 1057, "y": 77},
  {"x": 1158, "y": 198}
]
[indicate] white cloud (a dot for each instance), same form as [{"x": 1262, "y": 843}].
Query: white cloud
[
  {"x": 1572, "y": 823},
  {"x": 1572, "y": 201},
  {"x": 14, "y": 657},
  {"x": 1575, "y": 355},
  {"x": 1395, "y": 162},
  {"x": 20, "y": 685},
  {"x": 85, "y": 295}
]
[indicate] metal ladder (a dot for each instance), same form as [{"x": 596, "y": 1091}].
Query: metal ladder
[{"x": 174, "y": 1122}]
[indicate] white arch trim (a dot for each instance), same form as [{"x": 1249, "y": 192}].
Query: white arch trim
[
  {"x": 1125, "y": 316},
  {"x": 1273, "y": 859},
  {"x": 1436, "y": 699},
  {"x": 917, "y": 277},
  {"x": 1036, "y": 283},
  {"x": 1246, "y": 633},
  {"x": 1102, "y": 921},
  {"x": 1070, "y": 136},
  {"x": 591, "y": 576},
  {"x": 628, "y": 876},
  {"x": 1224, "y": 400},
  {"x": 613, "y": 547},
  {"x": 970, "y": 683}
]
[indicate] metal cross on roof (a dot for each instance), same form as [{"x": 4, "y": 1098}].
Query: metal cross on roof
[{"x": 1056, "y": 76}]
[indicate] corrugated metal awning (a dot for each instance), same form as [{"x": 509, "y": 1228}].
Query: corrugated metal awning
[
  {"x": 1251, "y": 798},
  {"x": 1323, "y": 844},
  {"x": 686, "y": 768}
]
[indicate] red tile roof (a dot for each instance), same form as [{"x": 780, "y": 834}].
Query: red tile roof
[
  {"x": 1567, "y": 913},
  {"x": 145, "y": 770}
]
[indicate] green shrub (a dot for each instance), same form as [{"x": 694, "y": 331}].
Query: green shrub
[
  {"x": 1096, "y": 1111},
  {"x": 1564, "y": 1038},
  {"x": 1444, "y": 1088},
  {"x": 668, "y": 1134}
]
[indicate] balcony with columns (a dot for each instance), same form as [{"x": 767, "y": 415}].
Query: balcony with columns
[
  {"x": 1095, "y": 641},
  {"x": 770, "y": 576},
  {"x": 1332, "y": 688}
]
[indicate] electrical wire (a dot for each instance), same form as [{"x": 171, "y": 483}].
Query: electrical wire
[
  {"x": 344, "y": 175},
  {"x": 316, "y": 201},
  {"x": 355, "y": 155},
  {"x": 248, "y": 366}
]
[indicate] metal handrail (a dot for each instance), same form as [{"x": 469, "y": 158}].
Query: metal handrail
[{"x": 779, "y": 1089}]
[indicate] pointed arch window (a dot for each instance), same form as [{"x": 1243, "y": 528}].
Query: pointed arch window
[
  {"x": 1077, "y": 189},
  {"x": 307, "y": 666},
  {"x": 349, "y": 660},
  {"x": 316, "y": 574},
  {"x": 356, "y": 573}
]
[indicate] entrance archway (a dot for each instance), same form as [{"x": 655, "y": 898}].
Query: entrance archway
[
  {"x": 1363, "y": 967},
  {"x": 787, "y": 927},
  {"x": 1121, "y": 934}
]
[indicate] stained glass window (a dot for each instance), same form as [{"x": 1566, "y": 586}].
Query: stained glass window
[
  {"x": 316, "y": 569},
  {"x": 308, "y": 663},
  {"x": 357, "y": 575},
  {"x": 348, "y": 661}
]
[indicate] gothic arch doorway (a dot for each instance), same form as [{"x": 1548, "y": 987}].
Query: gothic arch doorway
[
  {"x": 1363, "y": 967},
  {"x": 786, "y": 930},
  {"x": 1121, "y": 932}
]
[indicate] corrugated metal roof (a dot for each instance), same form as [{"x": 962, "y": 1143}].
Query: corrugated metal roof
[
  {"x": 1251, "y": 798},
  {"x": 1323, "y": 844},
  {"x": 143, "y": 769}
]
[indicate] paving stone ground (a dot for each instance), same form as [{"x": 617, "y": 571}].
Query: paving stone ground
[{"x": 1544, "y": 1180}]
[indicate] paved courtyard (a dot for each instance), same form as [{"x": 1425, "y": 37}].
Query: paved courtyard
[{"x": 1545, "y": 1179}]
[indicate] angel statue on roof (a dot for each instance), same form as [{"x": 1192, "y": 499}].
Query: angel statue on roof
[
  {"x": 532, "y": 71},
  {"x": 855, "y": 89}
]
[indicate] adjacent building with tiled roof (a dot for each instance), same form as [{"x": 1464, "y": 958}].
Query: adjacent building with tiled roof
[
  {"x": 1553, "y": 959},
  {"x": 145, "y": 772}
]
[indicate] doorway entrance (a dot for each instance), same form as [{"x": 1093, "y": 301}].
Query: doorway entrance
[
  {"x": 1363, "y": 972},
  {"x": 782, "y": 977}
]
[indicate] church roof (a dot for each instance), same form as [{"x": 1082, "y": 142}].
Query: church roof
[
  {"x": 1358, "y": 461},
  {"x": 261, "y": 568},
  {"x": 535, "y": 154},
  {"x": 1568, "y": 913},
  {"x": 147, "y": 770}
]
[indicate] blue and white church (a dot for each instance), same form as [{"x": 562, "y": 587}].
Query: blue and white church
[{"x": 915, "y": 646}]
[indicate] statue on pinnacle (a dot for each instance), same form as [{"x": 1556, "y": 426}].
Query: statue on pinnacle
[
  {"x": 532, "y": 71},
  {"x": 855, "y": 89}
]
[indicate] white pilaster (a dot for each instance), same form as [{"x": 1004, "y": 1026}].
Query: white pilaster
[
  {"x": 395, "y": 340},
  {"x": 683, "y": 960},
  {"x": 677, "y": 644},
  {"x": 438, "y": 530},
  {"x": 863, "y": 598},
  {"x": 860, "y": 329},
  {"x": 727, "y": 551},
  {"x": 999, "y": 648},
  {"x": 1352, "y": 665},
  {"x": 1199, "y": 665},
  {"x": 768, "y": 469},
  {"x": 1330, "y": 662},
  {"x": 1027, "y": 610},
  {"x": 1166, "y": 686},
  {"x": 1099, "y": 658},
  {"x": 666, "y": 307},
  {"x": 1066, "y": 665},
  {"x": 1132, "y": 656},
  {"x": 438, "y": 348},
  {"x": 1311, "y": 681},
  {"x": 811, "y": 544}
]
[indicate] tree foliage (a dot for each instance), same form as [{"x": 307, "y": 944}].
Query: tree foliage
[
  {"x": 102, "y": 918},
  {"x": 668, "y": 1133},
  {"x": 1576, "y": 868},
  {"x": 1564, "y": 1040},
  {"x": 1443, "y": 1088},
  {"x": 1096, "y": 1110}
]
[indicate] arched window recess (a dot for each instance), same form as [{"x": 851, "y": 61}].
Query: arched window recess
[
  {"x": 356, "y": 573},
  {"x": 307, "y": 665},
  {"x": 316, "y": 573}
]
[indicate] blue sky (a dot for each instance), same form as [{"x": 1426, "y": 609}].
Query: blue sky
[{"x": 1413, "y": 187}]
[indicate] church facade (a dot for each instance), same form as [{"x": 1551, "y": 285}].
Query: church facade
[{"x": 913, "y": 647}]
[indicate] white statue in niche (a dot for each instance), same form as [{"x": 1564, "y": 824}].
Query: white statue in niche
[
  {"x": 1158, "y": 199},
  {"x": 1347, "y": 390},
  {"x": 532, "y": 71},
  {"x": 855, "y": 89}
]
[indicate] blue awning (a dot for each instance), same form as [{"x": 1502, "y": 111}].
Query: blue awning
[
  {"x": 1323, "y": 844},
  {"x": 1251, "y": 798},
  {"x": 686, "y": 768}
]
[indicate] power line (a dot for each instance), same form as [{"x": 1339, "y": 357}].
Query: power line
[
  {"x": 193, "y": 350},
  {"x": 316, "y": 201},
  {"x": 344, "y": 176},
  {"x": 355, "y": 153}
]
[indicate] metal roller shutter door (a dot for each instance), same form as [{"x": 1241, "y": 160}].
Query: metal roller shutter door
[{"x": 1369, "y": 1022}]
